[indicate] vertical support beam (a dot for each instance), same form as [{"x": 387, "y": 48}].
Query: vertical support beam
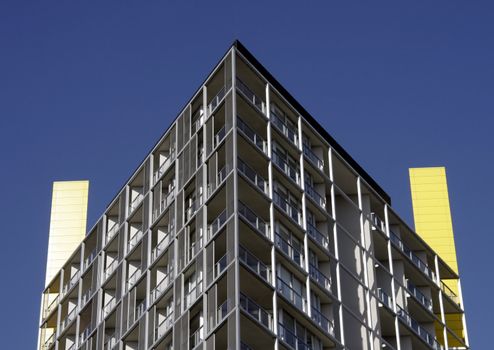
[{"x": 441, "y": 305}]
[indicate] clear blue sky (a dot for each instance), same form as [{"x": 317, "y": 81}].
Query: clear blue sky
[{"x": 86, "y": 88}]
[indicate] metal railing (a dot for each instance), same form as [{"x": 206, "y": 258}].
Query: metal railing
[
  {"x": 314, "y": 195},
  {"x": 110, "y": 304},
  {"x": 449, "y": 293},
  {"x": 291, "y": 171},
  {"x": 217, "y": 224},
  {"x": 317, "y": 236},
  {"x": 140, "y": 308},
  {"x": 418, "y": 329},
  {"x": 419, "y": 296},
  {"x": 162, "y": 285},
  {"x": 254, "y": 264},
  {"x": 136, "y": 201},
  {"x": 161, "y": 245},
  {"x": 135, "y": 239},
  {"x": 165, "y": 165},
  {"x": 422, "y": 266},
  {"x": 286, "y": 247},
  {"x": 89, "y": 259},
  {"x": 215, "y": 101},
  {"x": 290, "y": 209},
  {"x": 311, "y": 156},
  {"x": 251, "y": 96},
  {"x": 223, "y": 310},
  {"x": 86, "y": 295},
  {"x": 256, "y": 311},
  {"x": 253, "y": 219},
  {"x": 377, "y": 222},
  {"x": 323, "y": 322},
  {"x": 165, "y": 202},
  {"x": 291, "y": 294},
  {"x": 319, "y": 277},
  {"x": 252, "y": 175},
  {"x": 291, "y": 339},
  {"x": 72, "y": 282},
  {"x": 252, "y": 135},
  {"x": 220, "y": 265},
  {"x": 85, "y": 334},
  {"x": 134, "y": 277},
  {"x": 113, "y": 265},
  {"x": 50, "y": 306},
  {"x": 220, "y": 135},
  {"x": 69, "y": 318},
  {"x": 279, "y": 122},
  {"x": 192, "y": 295},
  {"x": 111, "y": 341},
  {"x": 384, "y": 298},
  {"x": 49, "y": 342},
  {"x": 196, "y": 338},
  {"x": 163, "y": 326},
  {"x": 112, "y": 231}
]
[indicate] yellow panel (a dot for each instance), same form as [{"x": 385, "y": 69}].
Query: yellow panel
[{"x": 67, "y": 223}]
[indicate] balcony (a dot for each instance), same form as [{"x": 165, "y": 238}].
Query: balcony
[
  {"x": 251, "y": 135},
  {"x": 292, "y": 295},
  {"x": 162, "y": 245},
  {"x": 53, "y": 304},
  {"x": 112, "y": 267},
  {"x": 192, "y": 295},
  {"x": 220, "y": 136},
  {"x": 384, "y": 298},
  {"x": 85, "y": 334},
  {"x": 164, "y": 166},
  {"x": 220, "y": 265},
  {"x": 109, "y": 306},
  {"x": 278, "y": 120},
  {"x": 320, "y": 278},
  {"x": 86, "y": 295},
  {"x": 163, "y": 326},
  {"x": 69, "y": 318},
  {"x": 255, "y": 221},
  {"x": 422, "y": 266},
  {"x": 315, "y": 196},
  {"x": 215, "y": 101},
  {"x": 89, "y": 259},
  {"x": 419, "y": 296},
  {"x": 292, "y": 172},
  {"x": 247, "y": 93},
  {"x": 220, "y": 178},
  {"x": 418, "y": 329},
  {"x": 112, "y": 231},
  {"x": 111, "y": 341},
  {"x": 71, "y": 283},
  {"x": 291, "y": 210},
  {"x": 256, "y": 312},
  {"x": 133, "y": 278},
  {"x": 311, "y": 156},
  {"x": 134, "y": 239},
  {"x": 450, "y": 294},
  {"x": 191, "y": 210},
  {"x": 377, "y": 223},
  {"x": 323, "y": 322},
  {"x": 289, "y": 250},
  {"x": 165, "y": 202},
  {"x": 317, "y": 236},
  {"x": 135, "y": 202},
  {"x": 196, "y": 338},
  {"x": 252, "y": 176},
  {"x": 139, "y": 311},
  {"x": 162, "y": 285},
  {"x": 217, "y": 224},
  {"x": 291, "y": 339},
  {"x": 254, "y": 264},
  {"x": 223, "y": 311},
  {"x": 49, "y": 342}
]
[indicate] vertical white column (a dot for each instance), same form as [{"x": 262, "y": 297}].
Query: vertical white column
[
  {"x": 463, "y": 317},
  {"x": 441, "y": 305}
]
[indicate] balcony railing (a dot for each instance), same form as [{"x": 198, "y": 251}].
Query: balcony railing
[
  {"x": 422, "y": 266},
  {"x": 112, "y": 231},
  {"x": 449, "y": 293},
  {"x": 140, "y": 308},
  {"x": 311, "y": 156},
  {"x": 253, "y": 219},
  {"x": 419, "y": 296},
  {"x": 217, "y": 224},
  {"x": 136, "y": 201},
  {"x": 197, "y": 120},
  {"x": 194, "y": 248},
  {"x": 51, "y": 306},
  {"x": 287, "y": 207},
  {"x": 109, "y": 306},
  {"x": 111, "y": 341},
  {"x": 192, "y": 295},
  {"x": 220, "y": 265},
  {"x": 252, "y": 175},
  {"x": 323, "y": 322},
  {"x": 72, "y": 282},
  {"x": 250, "y": 96},
  {"x": 85, "y": 334},
  {"x": 384, "y": 298},
  {"x": 220, "y": 135},
  {"x": 257, "y": 140},
  {"x": 162, "y": 285},
  {"x": 319, "y": 277},
  {"x": 317, "y": 236},
  {"x": 315, "y": 196},
  {"x": 254, "y": 264},
  {"x": 113, "y": 265},
  {"x": 215, "y": 101},
  {"x": 165, "y": 165},
  {"x": 69, "y": 318},
  {"x": 286, "y": 247},
  {"x": 291, "y": 294},
  {"x": 163, "y": 326},
  {"x": 191, "y": 210},
  {"x": 134, "y": 277},
  {"x": 196, "y": 338},
  {"x": 135, "y": 238},
  {"x": 291, "y": 171},
  {"x": 257, "y": 312},
  {"x": 291, "y": 339},
  {"x": 162, "y": 244},
  {"x": 378, "y": 223},
  {"x": 223, "y": 310},
  {"x": 165, "y": 202},
  {"x": 86, "y": 295},
  {"x": 49, "y": 342},
  {"x": 418, "y": 329},
  {"x": 90, "y": 258},
  {"x": 279, "y": 122}
]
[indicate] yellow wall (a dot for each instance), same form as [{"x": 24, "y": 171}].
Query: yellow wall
[
  {"x": 432, "y": 216},
  {"x": 67, "y": 223}
]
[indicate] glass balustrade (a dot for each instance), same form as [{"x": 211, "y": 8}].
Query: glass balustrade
[
  {"x": 254, "y": 310},
  {"x": 290, "y": 170},
  {"x": 250, "y": 96},
  {"x": 254, "y": 264},
  {"x": 317, "y": 236},
  {"x": 313, "y": 158},
  {"x": 319, "y": 277},
  {"x": 256, "y": 139},
  {"x": 255, "y": 221},
  {"x": 286, "y": 247},
  {"x": 287, "y": 207},
  {"x": 291, "y": 294},
  {"x": 252, "y": 175}
]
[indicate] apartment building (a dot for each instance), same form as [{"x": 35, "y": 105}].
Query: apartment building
[{"x": 248, "y": 227}]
